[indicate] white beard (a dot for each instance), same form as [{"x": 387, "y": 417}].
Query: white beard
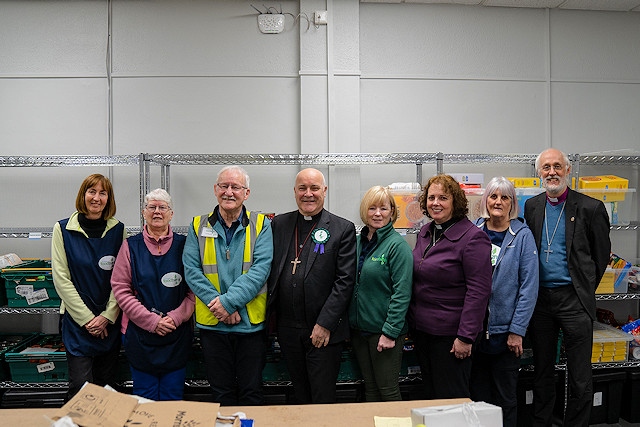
[{"x": 554, "y": 188}]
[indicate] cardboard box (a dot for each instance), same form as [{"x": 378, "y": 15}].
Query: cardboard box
[
  {"x": 97, "y": 406},
  {"x": 458, "y": 415}
]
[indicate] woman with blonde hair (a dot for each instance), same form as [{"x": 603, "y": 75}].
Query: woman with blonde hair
[{"x": 381, "y": 296}]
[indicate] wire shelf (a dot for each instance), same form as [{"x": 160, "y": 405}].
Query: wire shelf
[
  {"x": 292, "y": 159},
  {"x": 489, "y": 158},
  {"x": 61, "y": 161},
  {"x": 609, "y": 160}
]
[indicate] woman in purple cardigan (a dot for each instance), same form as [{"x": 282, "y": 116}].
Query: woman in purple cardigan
[{"x": 451, "y": 288}]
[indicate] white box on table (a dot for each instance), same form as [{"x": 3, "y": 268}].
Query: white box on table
[{"x": 461, "y": 415}]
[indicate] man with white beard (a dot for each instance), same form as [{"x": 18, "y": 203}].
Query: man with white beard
[{"x": 572, "y": 235}]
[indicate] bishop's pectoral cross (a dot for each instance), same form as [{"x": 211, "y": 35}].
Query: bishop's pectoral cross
[
  {"x": 295, "y": 263},
  {"x": 548, "y": 251}
]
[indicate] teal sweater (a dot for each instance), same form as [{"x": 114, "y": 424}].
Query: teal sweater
[{"x": 383, "y": 287}]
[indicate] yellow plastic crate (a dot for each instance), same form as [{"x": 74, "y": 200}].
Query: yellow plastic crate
[
  {"x": 607, "y": 183},
  {"x": 609, "y": 344}
]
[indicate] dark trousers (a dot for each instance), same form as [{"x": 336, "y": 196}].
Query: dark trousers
[
  {"x": 99, "y": 370},
  {"x": 494, "y": 379},
  {"x": 559, "y": 308},
  {"x": 380, "y": 369},
  {"x": 313, "y": 371},
  {"x": 234, "y": 366},
  {"x": 443, "y": 376}
]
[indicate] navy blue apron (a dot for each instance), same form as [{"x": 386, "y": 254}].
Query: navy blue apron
[
  {"x": 159, "y": 284},
  {"x": 90, "y": 262}
]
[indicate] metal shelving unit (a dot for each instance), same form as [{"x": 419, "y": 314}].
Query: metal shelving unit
[
  {"x": 165, "y": 161},
  {"x": 56, "y": 162},
  {"x": 145, "y": 161}
]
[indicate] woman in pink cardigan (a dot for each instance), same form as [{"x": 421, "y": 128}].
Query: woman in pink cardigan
[{"x": 157, "y": 305}]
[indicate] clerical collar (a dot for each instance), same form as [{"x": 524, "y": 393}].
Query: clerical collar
[
  {"x": 553, "y": 201},
  {"x": 315, "y": 218},
  {"x": 445, "y": 224}
]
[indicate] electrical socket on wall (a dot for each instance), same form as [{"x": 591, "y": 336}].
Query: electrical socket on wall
[
  {"x": 320, "y": 17},
  {"x": 271, "y": 23}
]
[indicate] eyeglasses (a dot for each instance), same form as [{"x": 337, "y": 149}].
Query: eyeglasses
[
  {"x": 234, "y": 188},
  {"x": 557, "y": 167},
  {"x": 161, "y": 208}
]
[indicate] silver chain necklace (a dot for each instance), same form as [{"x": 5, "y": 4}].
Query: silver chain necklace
[{"x": 546, "y": 227}]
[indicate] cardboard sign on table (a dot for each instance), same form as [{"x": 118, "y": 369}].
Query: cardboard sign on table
[{"x": 97, "y": 406}]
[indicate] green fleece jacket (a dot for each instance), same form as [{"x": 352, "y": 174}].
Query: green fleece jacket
[{"x": 383, "y": 286}]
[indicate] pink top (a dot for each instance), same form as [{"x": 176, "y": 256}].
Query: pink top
[{"x": 131, "y": 307}]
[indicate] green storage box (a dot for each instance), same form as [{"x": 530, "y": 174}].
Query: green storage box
[
  {"x": 7, "y": 343},
  {"x": 349, "y": 368},
  {"x": 30, "y": 284},
  {"x": 38, "y": 360}
]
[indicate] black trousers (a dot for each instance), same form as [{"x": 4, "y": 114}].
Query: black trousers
[
  {"x": 313, "y": 371},
  {"x": 494, "y": 379},
  {"x": 99, "y": 370},
  {"x": 444, "y": 376},
  {"x": 234, "y": 366},
  {"x": 559, "y": 308}
]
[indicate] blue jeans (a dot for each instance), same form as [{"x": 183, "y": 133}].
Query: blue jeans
[{"x": 169, "y": 386}]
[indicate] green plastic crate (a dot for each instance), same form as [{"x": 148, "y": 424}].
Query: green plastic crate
[
  {"x": 349, "y": 368},
  {"x": 41, "y": 359},
  {"x": 30, "y": 284},
  {"x": 7, "y": 343}
]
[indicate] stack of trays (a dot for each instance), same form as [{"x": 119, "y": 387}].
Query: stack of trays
[{"x": 609, "y": 344}]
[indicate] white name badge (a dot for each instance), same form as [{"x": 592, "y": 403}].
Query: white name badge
[
  {"x": 171, "y": 280},
  {"x": 209, "y": 232},
  {"x": 107, "y": 262}
]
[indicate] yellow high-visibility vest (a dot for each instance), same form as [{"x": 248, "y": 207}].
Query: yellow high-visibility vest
[{"x": 256, "y": 308}]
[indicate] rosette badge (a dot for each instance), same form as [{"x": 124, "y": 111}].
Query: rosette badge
[{"x": 320, "y": 236}]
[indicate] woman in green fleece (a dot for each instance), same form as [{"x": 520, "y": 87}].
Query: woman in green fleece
[{"x": 381, "y": 296}]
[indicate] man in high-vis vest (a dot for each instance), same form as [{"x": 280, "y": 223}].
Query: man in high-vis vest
[{"x": 227, "y": 258}]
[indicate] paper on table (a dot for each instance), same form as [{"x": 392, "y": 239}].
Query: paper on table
[{"x": 392, "y": 421}]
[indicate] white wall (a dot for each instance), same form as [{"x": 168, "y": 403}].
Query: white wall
[{"x": 198, "y": 77}]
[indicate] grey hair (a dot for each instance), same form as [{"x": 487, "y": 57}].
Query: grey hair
[
  {"x": 565, "y": 157},
  {"x": 237, "y": 169},
  {"x": 502, "y": 184},
  {"x": 159, "y": 194}
]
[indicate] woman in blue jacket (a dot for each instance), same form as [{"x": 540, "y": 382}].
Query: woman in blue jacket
[
  {"x": 514, "y": 290},
  {"x": 381, "y": 296}
]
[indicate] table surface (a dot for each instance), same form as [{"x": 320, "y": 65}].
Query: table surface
[{"x": 335, "y": 415}]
